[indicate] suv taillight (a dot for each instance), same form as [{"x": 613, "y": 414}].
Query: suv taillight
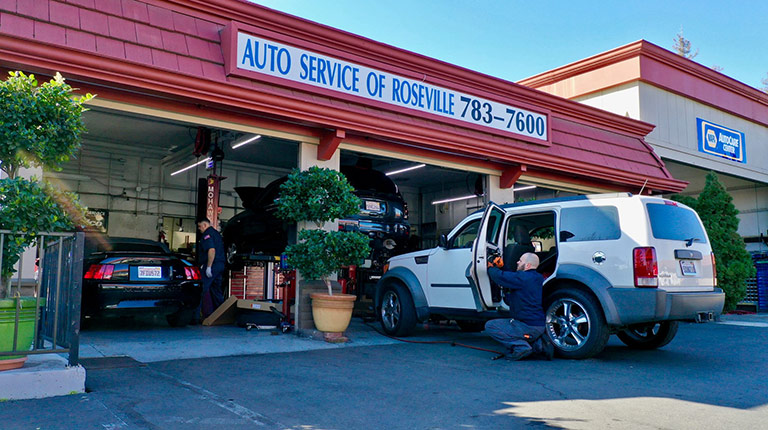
[
  {"x": 714, "y": 269},
  {"x": 100, "y": 271},
  {"x": 646, "y": 269},
  {"x": 192, "y": 273}
]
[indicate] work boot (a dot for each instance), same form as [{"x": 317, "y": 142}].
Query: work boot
[
  {"x": 519, "y": 354},
  {"x": 547, "y": 348},
  {"x": 544, "y": 348}
]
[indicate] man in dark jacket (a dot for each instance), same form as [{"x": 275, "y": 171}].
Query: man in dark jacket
[
  {"x": 213, "y": 262},
  {"x": 522, "y": 292}
]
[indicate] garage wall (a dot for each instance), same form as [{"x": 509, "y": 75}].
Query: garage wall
[{"x": 138, "y": 190}]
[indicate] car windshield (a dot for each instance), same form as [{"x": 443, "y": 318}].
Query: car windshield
[
  {"x": 369, "y": 180},
  {"x": 674, "y": 223},
  {"x": 99, "y": 243},
  {"x": 135, "y": 247}
]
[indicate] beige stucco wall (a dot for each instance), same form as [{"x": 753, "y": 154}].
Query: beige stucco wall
[
  {"x": 675, "y": 140},
  {"x": 622, "y": 100},
  {"x": 675, "y": 134}
]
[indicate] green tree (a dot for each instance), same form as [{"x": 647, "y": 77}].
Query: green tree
[
  {"x": 39, "y": 126},
  {"x": 720, "y": 217},
  {"x": 682, "y": 46},
  {"x": 319, "y": 195}
]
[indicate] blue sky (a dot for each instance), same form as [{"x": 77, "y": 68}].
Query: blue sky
[{"x": 514, "y": 39}]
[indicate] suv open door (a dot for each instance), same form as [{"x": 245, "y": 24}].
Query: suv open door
[{"x": 487, "y": 242}]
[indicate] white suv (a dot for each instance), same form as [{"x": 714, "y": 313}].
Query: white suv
[{"x": 612, "y": 263}]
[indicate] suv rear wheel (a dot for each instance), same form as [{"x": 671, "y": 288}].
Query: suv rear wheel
[
  {"x": 649, "y": 336},
  {"x": 398, "y": 314},
  {"x": 575, "y": 324}
]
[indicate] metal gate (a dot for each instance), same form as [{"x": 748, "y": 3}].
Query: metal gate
[{"x": 55, "y": 290}]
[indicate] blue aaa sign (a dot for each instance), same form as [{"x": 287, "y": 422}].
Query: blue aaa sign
[{"x": 721, "y": 141}]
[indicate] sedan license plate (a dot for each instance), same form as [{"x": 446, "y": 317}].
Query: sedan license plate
[
  {"x": 688, "y": 267},
  {"x": 150, "y": 272},
  {"x": 372, "y": 206}
]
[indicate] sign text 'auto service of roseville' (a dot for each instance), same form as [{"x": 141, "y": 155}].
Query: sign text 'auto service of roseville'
[{"x": 287, "y": 62}]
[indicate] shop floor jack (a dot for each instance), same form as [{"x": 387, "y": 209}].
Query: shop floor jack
[{"x": 284, "y": 322}]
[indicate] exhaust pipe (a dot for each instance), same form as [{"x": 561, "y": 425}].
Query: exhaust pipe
[{"x": 702, "y": 317}]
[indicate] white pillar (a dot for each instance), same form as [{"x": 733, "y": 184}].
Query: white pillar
[
  {"x": 28, "y": 258},
  {"x": 496, "y": 194},
  {"x": 307, "y": 159}
]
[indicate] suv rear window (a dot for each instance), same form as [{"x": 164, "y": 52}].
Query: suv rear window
[
  {"x": 589, "y": 223},
  {"x": 674, "y": 223}
]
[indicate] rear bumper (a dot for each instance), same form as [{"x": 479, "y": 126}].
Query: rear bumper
[
  {"x": 638, "y": 305},
  {"x": 124, "y": 297}
]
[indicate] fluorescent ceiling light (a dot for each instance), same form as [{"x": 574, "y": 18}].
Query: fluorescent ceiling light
[
  {"x": 190, "y": 166},
  {"x": 529, "y": 187},
  {"x": 455, "y": 199},
  {"x": 245, "y": 142},
  {"x": 407, "y": 169}
]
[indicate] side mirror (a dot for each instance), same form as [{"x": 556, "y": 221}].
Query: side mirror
[
  {"x": 565, "y": 235},
  {"x": 443, "y": 241}
]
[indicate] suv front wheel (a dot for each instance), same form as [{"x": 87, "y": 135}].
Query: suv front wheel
[
  {"x": 397, "y": 312},
  {"x": 575, "y": 324}
]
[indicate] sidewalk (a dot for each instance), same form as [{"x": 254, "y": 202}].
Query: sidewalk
[
  {"x": 147, "y": 341},
  {"x": 150, "y": 344},
  {"x": 747, "y": 320}
]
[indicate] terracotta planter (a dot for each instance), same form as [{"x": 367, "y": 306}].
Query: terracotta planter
[
  {"x": 332, "y": 313},
  {"x": 26, "y": 329}
]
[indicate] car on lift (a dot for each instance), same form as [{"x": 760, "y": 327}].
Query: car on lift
[
  {"x": 383, "y": 217},
  {"x": 127, "y": 276},
  {"x": 613, "y": 264}
]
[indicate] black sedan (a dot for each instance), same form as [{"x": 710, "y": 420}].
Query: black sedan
[{"x": 124, "y": 275}]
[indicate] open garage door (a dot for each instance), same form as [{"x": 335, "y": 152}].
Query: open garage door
[
  {"x": 437, "y": 198},
  {"x": 139, "y": 177}
]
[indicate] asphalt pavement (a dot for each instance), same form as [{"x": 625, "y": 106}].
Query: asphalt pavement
[{"x": 711, "y": 376}]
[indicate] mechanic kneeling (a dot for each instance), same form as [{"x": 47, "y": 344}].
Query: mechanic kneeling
[{"x": 522, "y": 333}]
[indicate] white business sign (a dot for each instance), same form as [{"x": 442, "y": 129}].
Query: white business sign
[{"x": 287, "y": 62}]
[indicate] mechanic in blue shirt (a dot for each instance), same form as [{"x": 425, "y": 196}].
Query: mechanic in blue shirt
[
  {"x": 213, "y": 262},
  {"x": 522, "y": 292}
]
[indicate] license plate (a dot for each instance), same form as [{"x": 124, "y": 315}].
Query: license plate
[
  {"x": 150, "y": 272},
  {"x": 688, "y": 267},
  {"x": 372, "y": 206}
]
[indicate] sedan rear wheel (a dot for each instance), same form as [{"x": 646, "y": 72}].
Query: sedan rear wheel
[{"x": 575, "y": 324}]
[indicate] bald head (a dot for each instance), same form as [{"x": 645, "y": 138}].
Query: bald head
[{"x": 528, "y": 261}]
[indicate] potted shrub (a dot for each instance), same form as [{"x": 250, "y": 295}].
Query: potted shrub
[
  {"x": 39, "y": 126},
  {"x": 316, "y": 196}
]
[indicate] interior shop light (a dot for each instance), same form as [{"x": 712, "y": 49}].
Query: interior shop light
[
  {"x": 407, "y": 169},
  {"x": 190, "y": 166},
  {"x": 456, "y": 199},
  {"x": 247, "y": 141},
  {"x": 529, "y": 187}
]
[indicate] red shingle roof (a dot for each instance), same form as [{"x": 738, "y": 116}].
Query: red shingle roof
[{"x": 167, "y": 39}]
